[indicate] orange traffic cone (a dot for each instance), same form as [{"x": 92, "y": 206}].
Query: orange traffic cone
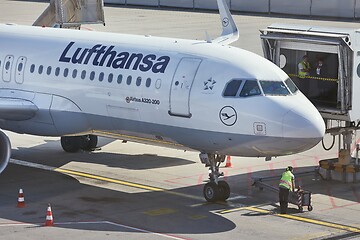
[
  {"x": 49, "y": 217},
  {"x": 228, "y": 162},
  {"x": 21, "y": 199}
]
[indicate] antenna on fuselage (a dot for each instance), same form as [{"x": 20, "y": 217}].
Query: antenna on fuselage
[{"x": 230, "y": 32}]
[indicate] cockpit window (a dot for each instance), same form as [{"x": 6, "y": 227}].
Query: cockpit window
[
  {"x": 232, "y": 88},
  {"x": 291, "y": 85},
  {"x": 274, "y": 88},
  {"x": 251, "y": 88}
]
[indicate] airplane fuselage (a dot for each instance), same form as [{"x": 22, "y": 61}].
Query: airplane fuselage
[{"x": 147, "y": 89}]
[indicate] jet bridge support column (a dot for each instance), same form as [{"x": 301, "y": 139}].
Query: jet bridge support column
[{"x": 343, "y": 168}]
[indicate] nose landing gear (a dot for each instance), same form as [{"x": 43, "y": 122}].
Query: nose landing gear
[{"x": 215, "y": 189}]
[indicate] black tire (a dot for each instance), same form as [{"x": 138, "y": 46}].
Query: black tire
[
  {"x": 71, "y": 144},
  {"x": 211, "y": 192},
  {"x": 224, "y": 190},
  {"x": 310, "y": 208},
  {"x": 89, "y": 142}
]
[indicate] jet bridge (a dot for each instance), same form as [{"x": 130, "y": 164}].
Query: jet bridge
[
  {"x": 72, "y": 13},
  {"x": 336, "y": 91}
]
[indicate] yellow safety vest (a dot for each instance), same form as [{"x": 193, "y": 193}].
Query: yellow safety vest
[
  {"x": 286, "y": 180},
  {"x": 306, "y": 66}
]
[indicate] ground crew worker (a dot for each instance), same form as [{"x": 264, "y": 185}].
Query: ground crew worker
[
  {"x": 304, "y": 67},
  {"x": 286, "y": 185}
]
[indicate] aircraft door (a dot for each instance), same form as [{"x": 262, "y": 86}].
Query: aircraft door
[{"x": 181, "y": 87}]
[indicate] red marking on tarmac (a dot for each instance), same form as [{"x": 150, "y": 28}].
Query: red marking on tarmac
[
  {"x": 271, "y": 167},
  {"x": 332, "y": 200}
]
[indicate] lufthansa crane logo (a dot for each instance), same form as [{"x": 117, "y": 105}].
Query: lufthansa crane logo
[
  {"x": 225, "y": 22},
  {"x": 228, "y": 116}
]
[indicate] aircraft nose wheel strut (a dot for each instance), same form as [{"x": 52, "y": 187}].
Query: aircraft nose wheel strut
[{"x": 215, "y": 189}]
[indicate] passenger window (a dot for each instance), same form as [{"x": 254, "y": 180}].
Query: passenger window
[
  {"x": 119, "y": 79},
  {"x": 32, "y": 68},
  {"x": 41, "y": 69},
  {"x": 92, "y": 75},
  {"x": 101, "y": 76},
  {"x": 57, "y": 71},
  {"x": 251, "y": 88},
  {"x": 74, "y": 73},
  {"x": 129, "y": 79},
  {"x": 232, "y": 88},
  {"x": 110, "y": 78},
  {"x": 83, "y": 74},
  {"x": 274, "y": 88},
  {"x": 20, "y": 67},
  {"x": 138, "y": 81},
  {"x": 148, "y": 82},
  {"x": 48, "y": 71},
  {"x": 66, "y": 72}
]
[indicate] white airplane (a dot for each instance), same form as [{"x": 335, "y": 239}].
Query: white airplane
[{"x": 187, "y": 94}]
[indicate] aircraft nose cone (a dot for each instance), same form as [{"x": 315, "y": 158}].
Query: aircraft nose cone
[{"x": 307, "y": 125}]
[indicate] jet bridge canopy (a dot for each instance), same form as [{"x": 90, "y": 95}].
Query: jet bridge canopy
[{"x": 330, "y": 87}]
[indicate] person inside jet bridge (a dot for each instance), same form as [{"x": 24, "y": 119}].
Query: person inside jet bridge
[
  {"x": 304, "y": 67},
  {"x": 287, "y": 184}
]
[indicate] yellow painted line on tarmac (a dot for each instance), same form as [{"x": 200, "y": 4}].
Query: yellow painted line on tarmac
[
  {"x": 297, "y": 218},
  {"x": 125, "y": 183},
  {"x": 100, "y": 178},
  {"x": 160, "y": 211},
  {"x": 111, "y": 180},
  {"x": 322, "y": 223}
]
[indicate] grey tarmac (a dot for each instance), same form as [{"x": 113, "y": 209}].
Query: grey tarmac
[{"x": 134, "y": 191}]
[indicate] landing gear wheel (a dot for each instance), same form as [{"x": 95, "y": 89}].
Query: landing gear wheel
[
  {"x": 71, "y": 144},
  {"x": 211, "y": 192},
  {"x": 89, "y": 142},
  {"x": 310, "y": 208},
  {"x": 224, "y": 190}
]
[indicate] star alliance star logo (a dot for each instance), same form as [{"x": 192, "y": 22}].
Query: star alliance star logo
[{"x": 209, "y": 84}]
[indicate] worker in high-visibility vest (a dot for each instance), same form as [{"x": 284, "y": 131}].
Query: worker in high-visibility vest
[
  {"x": 304, "y": 67},
  {"x": 287, "y": 184}
]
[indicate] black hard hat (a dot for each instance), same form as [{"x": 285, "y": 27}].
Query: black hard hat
[{"x": 289, "y": 168}]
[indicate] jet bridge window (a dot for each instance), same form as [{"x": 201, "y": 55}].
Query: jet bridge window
[
  {"x": 251, "y": 88},
  {"x": 232, "y": 88},
  {"x": 274, "y": 88}
]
